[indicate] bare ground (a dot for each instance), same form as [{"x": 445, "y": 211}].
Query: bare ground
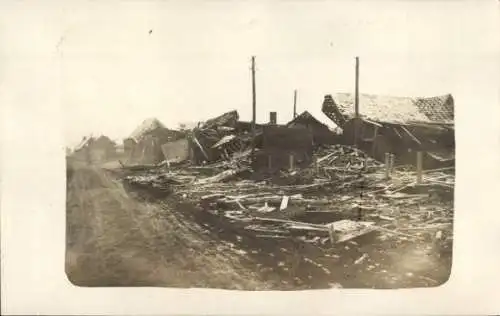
[{"x": 117, "y": 238}]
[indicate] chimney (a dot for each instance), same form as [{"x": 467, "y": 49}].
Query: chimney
[{"x": 273, "y": 118}]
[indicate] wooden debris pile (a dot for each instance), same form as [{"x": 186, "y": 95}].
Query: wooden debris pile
[
  {"x": 343, "y": 157},
  {"x": 219, "y": 139},
  {"x": 345, "y": 196}
]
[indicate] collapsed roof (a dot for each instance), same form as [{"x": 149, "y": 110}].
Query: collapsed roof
[
  {"x": 390, "y": 109},
  {"x": 228, "y": 119}
]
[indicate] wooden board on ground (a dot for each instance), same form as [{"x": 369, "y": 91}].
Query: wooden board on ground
[{"x": 346, "y": 230}]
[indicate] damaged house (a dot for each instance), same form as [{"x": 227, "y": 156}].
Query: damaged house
[
  {"x": 322, "y": 135},
  {"x": 93, "y": 149},
  {"x": 277, "y": 147},
  {"x": 145, "y": 144},
  {"x": 284, "y": 148},
  {"x": 219, "y": 138},
  {"x": 398, "y": 125}
]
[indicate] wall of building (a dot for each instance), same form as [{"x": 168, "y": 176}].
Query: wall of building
[{"x": 279, "y": 143}]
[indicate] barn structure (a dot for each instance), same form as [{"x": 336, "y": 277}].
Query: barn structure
[{"x": 398, "y": 125}]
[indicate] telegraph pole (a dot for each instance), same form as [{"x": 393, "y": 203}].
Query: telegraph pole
[
  {"x": 356, "y": 93},
  {"x": 356, "y": 104},
  {"x": 254, "y": 110},
  {"x": 294, "y": 103}
]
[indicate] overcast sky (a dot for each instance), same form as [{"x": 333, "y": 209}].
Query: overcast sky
[{"x": 123, "y": 62}]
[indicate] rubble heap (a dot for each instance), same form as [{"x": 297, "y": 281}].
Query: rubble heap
[
  {"x": 343, "y": 184},
  {"x": 342, "y": 197}
]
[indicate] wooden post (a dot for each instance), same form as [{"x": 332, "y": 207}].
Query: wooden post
[
  {"x": 391, "y": 164},
  {"x": 254, "y": 107},
  {"x": 331, "y": 232},
  {"x": 291, "y": 160},
  {"x": 356, "y": 104},
  {"x": 387, "y": 165},
  {"x": 356, "y": 92},
  {"x": 419, "y": 167},
  {"x": 294, "y": 103}
]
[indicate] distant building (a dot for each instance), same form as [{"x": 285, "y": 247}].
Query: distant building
[
  {"x": 95, "y": 150},
  {"x": 128, "y": 146},
  {"x": 144, "y": 146}
]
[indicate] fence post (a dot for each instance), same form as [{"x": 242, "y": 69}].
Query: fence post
[
  {"x": 387, "y": 162},
  {"x": 391, "y": 164},
  {"x": 331, "y": 232},
  {"x": 291, "y": 160},
  {"x": 419, "y": 167}
]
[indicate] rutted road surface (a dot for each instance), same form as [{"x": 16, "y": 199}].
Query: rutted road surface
[{"x": 116, "y": 238}]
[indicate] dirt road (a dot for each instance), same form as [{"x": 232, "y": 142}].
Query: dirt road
[{"x": 116, "y": 238}]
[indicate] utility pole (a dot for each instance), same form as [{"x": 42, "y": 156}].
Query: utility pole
[
  {"x": 295, "y": 103},
  {"x": 253, "y": 105},
  {"x": 356, "y": 104}
]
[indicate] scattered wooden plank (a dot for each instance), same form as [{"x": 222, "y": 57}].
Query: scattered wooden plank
[
  {"x": 395, "y": 232},
  {"x": 266, "y": 209},
  {"x": 200, "y": 146},
  {"x": 361, "y": 259},
  {"x": 440, "y": 169},
  {"x": 266, "y": 230},
  {"x": 284, "y": 202},
  {"x": 271, "y": 236},
  {"x": 355, "y": 234},
  {"x": 398, "y": 195},
  {"x": 428, "y": 227},
  {"x": 325, "y": 157},
  {"x": 224, "y": 175},
  {"x": 224, "y": 140},
  {"x": 274, "y": 199},
  {"x": 240, "y": 205},
  {"x": 289, "y": 222},
  {"x": 300, "y": 227},
  {"x": 387, "y": 218},
  {"x": 213, "y": 196}
]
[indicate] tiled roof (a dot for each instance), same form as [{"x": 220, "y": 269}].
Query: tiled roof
[{"x": 390, "y": 109}]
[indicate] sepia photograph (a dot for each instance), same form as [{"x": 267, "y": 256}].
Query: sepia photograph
[{"x": 271, "y": 152}]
